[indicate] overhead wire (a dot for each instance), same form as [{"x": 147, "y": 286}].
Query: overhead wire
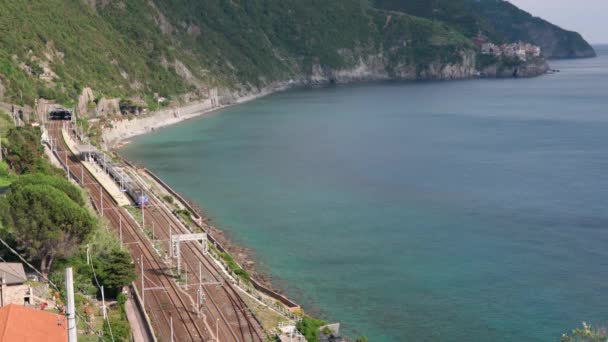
[{"x": 12, "y": 250}]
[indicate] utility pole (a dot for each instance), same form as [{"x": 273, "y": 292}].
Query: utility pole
[
  {"x": 120, "y": 228},
  {"x": 71, "y": 311},
  {"x": 143, "y": 290},
  {"x": 88, "y": 254},
  {"x": 200, "y": 295},
  {"x": 178, "y": 253},
  {"x": 170, "y": 243},
  {"x": 67, "y": 166},
  {"x": 143, "y": 213},
  {"x": 198, "y": 302},
  {"x": 171, "y": 322},
  {"x": 103, "y": 305}
]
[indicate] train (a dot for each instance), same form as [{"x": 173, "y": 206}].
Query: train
[
  {"x": 60, "y": 114},
  {"x": 126, "y": 184}
]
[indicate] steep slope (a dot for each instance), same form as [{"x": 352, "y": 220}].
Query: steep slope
[
  {"x": 138, "y": 48},
  {"x": 515, "y": 25},
  {"x": 54, "y": 48},
  {"x": 181, "y": 49},
  {"x": 500, "y": 20}
]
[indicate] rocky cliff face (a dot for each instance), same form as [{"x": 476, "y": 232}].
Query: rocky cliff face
[
  {"x": 377, "y": 68},
  {"x": 533, "y": 68}
]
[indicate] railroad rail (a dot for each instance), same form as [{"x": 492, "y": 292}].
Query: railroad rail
[
  {"x": 225, "y": 300},
  {"x": 172, "y": 309}
]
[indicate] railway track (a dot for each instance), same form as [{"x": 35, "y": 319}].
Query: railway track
[
  {"x": 169, "y": 308},
  {"x": 225, "y": 300},
  {"x": 233, "y": 321}
]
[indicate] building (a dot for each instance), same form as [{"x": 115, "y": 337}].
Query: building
[
  {"x": 520, "y": 51},
  {"x": 13, "y": 289},
  {"x": 24, "y": 324},
  {"x": 491, "y": 49}
]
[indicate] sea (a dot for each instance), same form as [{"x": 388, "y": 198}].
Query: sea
[{"x": 415, "y": 211}]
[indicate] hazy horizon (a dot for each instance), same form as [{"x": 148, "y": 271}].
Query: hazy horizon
[{"x": 590, "y": 19}]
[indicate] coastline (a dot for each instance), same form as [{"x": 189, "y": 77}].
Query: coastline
[
  {"x": 243, "y": 256},
  {"x": 121, "y": 131}
]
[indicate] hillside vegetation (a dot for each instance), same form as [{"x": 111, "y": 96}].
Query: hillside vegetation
[
  {"x": 499, "y": 20},
  {"x": 515, "y": 25},
  {"x": 140, "y": 48}
]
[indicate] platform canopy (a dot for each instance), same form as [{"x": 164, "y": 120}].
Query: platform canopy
[{"x": 86, "y": 149}]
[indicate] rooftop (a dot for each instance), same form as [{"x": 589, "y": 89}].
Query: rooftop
[
  {"x": 13, "y": 272},
  {"x": 86, "y": 148},
  {"x": 24, "y": 324}
]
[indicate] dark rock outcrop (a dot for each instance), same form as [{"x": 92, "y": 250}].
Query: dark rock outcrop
[{"x": 533, "y": 68}]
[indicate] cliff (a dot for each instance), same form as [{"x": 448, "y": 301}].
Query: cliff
[{"x": 532, "y": 68}]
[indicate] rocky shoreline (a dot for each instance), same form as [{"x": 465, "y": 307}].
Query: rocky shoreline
[
  {"x": 120, "y": 131},
  {"x": 373, "y": 69}
]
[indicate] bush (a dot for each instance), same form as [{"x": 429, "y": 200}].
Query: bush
[
  {"x": 121, "y": 331},
  {"x": 309, "y": 327},
  {"x": 24, "y": 149},
  {"x": 59, "y": 183},
  {"x": 586, "y": 334},
  {"x": 169, "y": 199}
]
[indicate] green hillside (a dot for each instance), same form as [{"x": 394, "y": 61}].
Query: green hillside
[
  {"x": 137, "y": 48},
  {"x": 515, "y": 25},
  {"x": 81, "y": 49},
  {"x": 54, "y": 48},
  {"x": 500, "y": 20}
]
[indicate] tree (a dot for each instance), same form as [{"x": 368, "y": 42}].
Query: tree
[
  {"x": 115, "y": 270},
  {"x": 24, "y": 149},
  {"x": 45, "y": 222},
  {"x": 59, "y": 183}
]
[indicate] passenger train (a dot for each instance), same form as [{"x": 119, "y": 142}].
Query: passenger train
[{"x": 125, "y": 182}]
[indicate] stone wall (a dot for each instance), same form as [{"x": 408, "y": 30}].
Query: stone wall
[{"x": 14, "y": 294}]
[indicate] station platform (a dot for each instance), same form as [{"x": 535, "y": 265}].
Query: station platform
[{"x": 102, "y": 178}]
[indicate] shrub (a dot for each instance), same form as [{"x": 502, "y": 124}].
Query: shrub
[{"x": 309, "y": 327}]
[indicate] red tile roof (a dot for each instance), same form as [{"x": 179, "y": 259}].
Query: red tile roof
[{"x": 23, "y": 324}]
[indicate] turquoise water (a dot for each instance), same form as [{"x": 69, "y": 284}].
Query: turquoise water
[{"x": 452, "y": 211}]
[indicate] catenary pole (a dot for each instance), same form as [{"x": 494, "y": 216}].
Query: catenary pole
[
  {"x": 71, "y": 311},
  {"x": 103, "y": 304},
  {"x": 143, "y": 290}
]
